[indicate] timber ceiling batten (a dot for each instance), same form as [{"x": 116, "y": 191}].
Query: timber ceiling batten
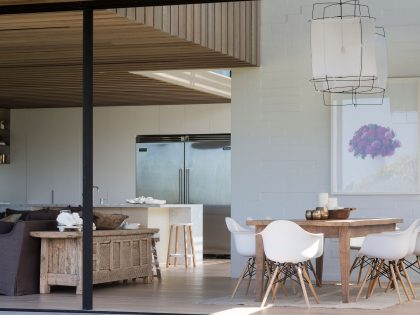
[
  {"x": 228, "y": 28},
  {"x": 40, "y": 55}
]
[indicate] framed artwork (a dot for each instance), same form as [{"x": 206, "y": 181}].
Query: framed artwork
[{"x": 375, "y": 149}]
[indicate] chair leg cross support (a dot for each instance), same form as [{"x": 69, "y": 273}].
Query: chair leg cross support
[
  {"x": 295, "y": 272},
  {"x": 394, "y": 271}
]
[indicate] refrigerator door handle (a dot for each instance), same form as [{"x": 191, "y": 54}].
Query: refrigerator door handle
[
  {"x": 180, "y": 185},
  {"x": 187, "y": 199}
]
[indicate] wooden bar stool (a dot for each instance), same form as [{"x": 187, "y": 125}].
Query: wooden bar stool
[
  {"x": 158, "y": 275},
  {"x": 185, "y": 227}
]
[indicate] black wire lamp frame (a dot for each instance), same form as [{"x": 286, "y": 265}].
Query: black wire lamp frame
[{"x": 358, "y": 87}]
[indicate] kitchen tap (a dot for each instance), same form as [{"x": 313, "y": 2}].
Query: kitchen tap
[{"x": 97, "y": 194}]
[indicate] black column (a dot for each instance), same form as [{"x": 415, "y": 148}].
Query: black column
[{"x": 87, "y": 156}]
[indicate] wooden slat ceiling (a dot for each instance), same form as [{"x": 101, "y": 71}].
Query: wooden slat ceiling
[
  {"x": 112, "y": 88},
  {"x": 22, "y": 2},
  {"x": 41, "y": 57}
]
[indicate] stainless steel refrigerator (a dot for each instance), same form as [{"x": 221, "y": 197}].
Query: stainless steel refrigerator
[{"x": 189, "y": 169}]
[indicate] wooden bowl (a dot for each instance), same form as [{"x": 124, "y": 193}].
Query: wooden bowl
[{"x": 340, "y": 214}]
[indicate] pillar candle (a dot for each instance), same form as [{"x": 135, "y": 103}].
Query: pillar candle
[
  {"x": 322, "y": 199},
  {"x": 332, "y": 203}
]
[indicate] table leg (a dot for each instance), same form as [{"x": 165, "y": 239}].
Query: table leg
[
  {"x": 79, "y": 266},
  {"x": 344, "y": 250},
  {"x": 259, "y": 263},
  {"x": 43, "y": 280},
  {"x": 319, "y": 268}
]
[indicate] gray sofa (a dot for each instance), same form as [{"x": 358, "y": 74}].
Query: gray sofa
[{"x": 20, "y": 256}]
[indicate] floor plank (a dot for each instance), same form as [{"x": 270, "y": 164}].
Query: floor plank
[{"x": 179, "y": 292}]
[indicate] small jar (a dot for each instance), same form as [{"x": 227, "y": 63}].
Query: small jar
[
  {"x": 308, "y": 214},
  {"x": 316, "y": 215}
]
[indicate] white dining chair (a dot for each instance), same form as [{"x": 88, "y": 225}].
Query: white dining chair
[
  {"x": 414, "y": 265},
  {"x": 290, "y": 256},
  {"x": 389, "y": 258},
  {"x": 363, "y": 261},
  {"x": 244, "y": 242}
]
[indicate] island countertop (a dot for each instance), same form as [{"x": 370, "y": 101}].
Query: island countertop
[{"x": 32, "y": 206}]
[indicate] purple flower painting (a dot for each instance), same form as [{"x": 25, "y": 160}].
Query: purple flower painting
[{"x": 373, "y": 140}]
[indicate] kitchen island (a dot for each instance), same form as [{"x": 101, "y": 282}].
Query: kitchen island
[
  {"x": 161, "y": 216},
  {"x": 149, "y": 216}
]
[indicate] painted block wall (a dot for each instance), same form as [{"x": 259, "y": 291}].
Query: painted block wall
[
  {"x": 281, "y": 131},
  {"x": 46, "y": 148}
]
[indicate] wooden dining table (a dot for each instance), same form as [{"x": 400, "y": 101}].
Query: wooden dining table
[{"x": 343, "y": 230}]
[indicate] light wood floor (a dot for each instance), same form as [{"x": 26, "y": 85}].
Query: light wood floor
[{"x": 179, "y": 292}]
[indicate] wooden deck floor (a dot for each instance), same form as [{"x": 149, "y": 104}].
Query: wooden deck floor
[{"x": 179, "y": 292}]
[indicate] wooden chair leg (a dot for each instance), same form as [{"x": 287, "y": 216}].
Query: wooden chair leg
[
  {"x": 268, "y": 271},
  {"x": 377, "y": 275},
  {"x": 373, "y": 275},
  {"x": 302, "y": 284},
  {"x": 311, "y": 287},
  {"x": 192, "y": 244},
  {"x": 398, "y": 274},
  {"x": 279, "y": 284},
  {"x": 276, "y": 286},
  {"x": 168, "y": 256},
  {"x": 394, "y": 280},
  {"x": 240, "y": 280},
  {"x": 363, "y": 283},
  {"x": 318, "y": 282},
  {"x": 388, "y": 285},
  {"x": 355, "y": 262},
  {"x": 267, "y": 292},
  {"x": 176, "y": 244},
  {"x": 249, "y": 279},
  {"x": 292, "y": 283},
  {"x": 410, "y": 284},
  {"x": 360, "y": 270},
  {"x": 184, "y": 229}
]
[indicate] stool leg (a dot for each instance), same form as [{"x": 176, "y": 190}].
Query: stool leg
[
  {"x": 192, "y": 244},
  {"x": 176, "y": 243},
  {"x": 168, "y": 256},
  {"x": 185, "y": 246},
  {"x": 155, "y": 258}
]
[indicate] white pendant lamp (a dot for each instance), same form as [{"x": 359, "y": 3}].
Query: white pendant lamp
[{"x": 346, "y": 51}]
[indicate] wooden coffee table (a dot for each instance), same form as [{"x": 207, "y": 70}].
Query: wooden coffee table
[{"x": 341, "y": 229}]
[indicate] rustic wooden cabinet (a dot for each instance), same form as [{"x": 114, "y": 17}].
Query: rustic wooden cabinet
[{"x": 117, "y": 255}]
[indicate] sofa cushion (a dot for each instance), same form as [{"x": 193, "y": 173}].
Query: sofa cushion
[
  {"x": 108, "y": 221},
  {"x": 23, "y": 213},
  {"x": 13, "y": 218},
  {"x": 42, "y": 215},
  {"x": 35, "y": 215},
  {"x": 6, "y": 227}
]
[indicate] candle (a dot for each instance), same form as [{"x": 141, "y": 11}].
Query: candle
[
  {"x": 322, "y": 199},
  {"x": 332, "y": 203}
]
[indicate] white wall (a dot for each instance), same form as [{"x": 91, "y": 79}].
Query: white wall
[
  {"x": 281, "y": 130},
  {"x": 46, "y": 148}
]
